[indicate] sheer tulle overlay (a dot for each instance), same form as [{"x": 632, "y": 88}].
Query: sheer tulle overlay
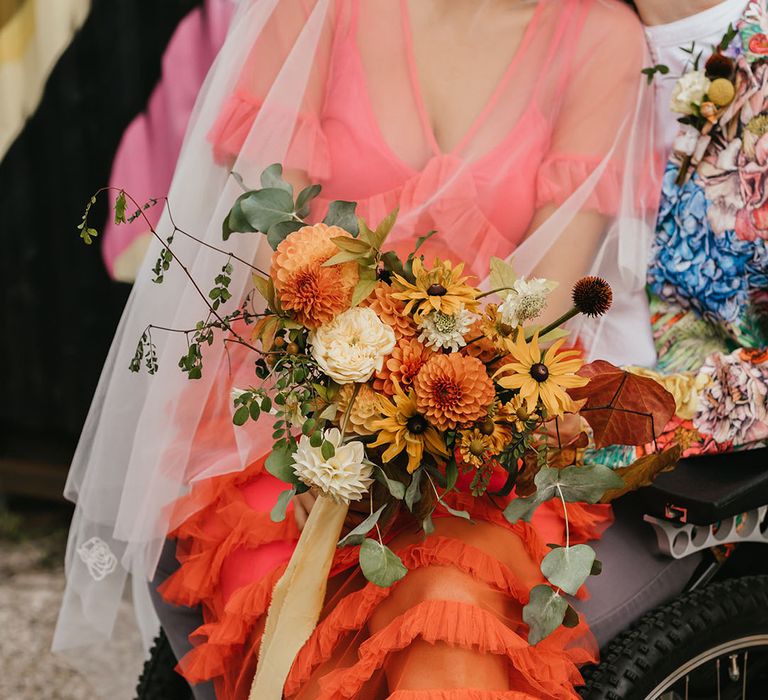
[{"x": 547, "y": 161}]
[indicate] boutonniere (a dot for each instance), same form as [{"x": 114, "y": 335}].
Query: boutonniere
[{"x": 702, "y": 95}]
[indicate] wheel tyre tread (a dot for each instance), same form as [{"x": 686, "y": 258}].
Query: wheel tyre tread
[{"x": 649, "y": 646}]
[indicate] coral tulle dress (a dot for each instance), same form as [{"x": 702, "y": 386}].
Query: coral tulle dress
[{"x": 452, "y": 628}]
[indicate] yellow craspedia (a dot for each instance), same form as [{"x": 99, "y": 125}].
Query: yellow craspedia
[{"x": 721, "y": 92}]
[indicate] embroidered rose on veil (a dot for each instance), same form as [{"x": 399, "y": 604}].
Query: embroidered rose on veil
[{"x": 98, "y": 558}]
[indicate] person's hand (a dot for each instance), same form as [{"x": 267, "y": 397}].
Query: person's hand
[{"x": 302, "y": 506}]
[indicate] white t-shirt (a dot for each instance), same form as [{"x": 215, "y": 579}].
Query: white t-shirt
[{"x": 706, "y": 29}]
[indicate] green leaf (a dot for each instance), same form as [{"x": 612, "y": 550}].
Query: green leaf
[
  {"x": 327, "y": 450},
  {"x": 280, "y": 231},
  {"x": 280, "y": 464},
  {"x": 363, "y": 290},
  {"x": 396, "y": 488},
  {"x": 384, "y": 228},
  {"x": 254, "y": 410},
  {"x": 427, "y": 525},
  {"x": 241, "y": 415},
  {"x": 421, "y": 240},
  {"x": 571, "y": 618},
  {"x": 352, "y": 245},
  {"x": 544, "y": 613},
  {"x": 277, "y": 514},
  {"x": 568, "y": 567},
  {"x": 120, "y": 208},
  {"x": 342, "y": 214},
  {"x": 380, "y": 565},
  {"x": 262, "y": 209},
  {"x": 343, "y": 257},
  {"x": 235, "y": 221},
  {"x": 305, "y": 197},
  {"x": 413, "y": 492},
  {"x": 357, "y": 535},
  {"x": 272, "y": 177},
  {"x": 316, "y": 439},
  {"x": 502, "y": 274},
  {"x": 451, "y": 474},
  {"x": 577, "y": 484},
  {"x": 456, "y": 513}
]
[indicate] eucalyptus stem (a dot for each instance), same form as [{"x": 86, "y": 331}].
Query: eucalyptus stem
[
  {"x": 494, "y": 291},
  {"x": 567, "y": 316}
]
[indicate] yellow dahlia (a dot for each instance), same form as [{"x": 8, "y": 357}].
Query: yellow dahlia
[
  {"x": 391, "y": 310},
  {"x": 402, "y": 366},
  {"x": 364, "y": 411},
  {"x": 453, "y": 390},
  {"x": 475, "y": 448},
  {"x": 313, "y": 293},
  {"x": 440, "y": 289},
  {"x": 542, "y": 376},
  {"x": 401, "y": 426}
]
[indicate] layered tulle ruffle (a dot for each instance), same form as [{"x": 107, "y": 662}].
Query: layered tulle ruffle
[{"x": 232, "y": 555}]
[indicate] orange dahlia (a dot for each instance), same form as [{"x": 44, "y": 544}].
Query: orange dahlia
[
  {"x": 402, "y": 366},
  {"x": 453, "y": 390},
  {"x": 364, "y": 411},
  {"x": 391, "y": 310},
  {"x": 315, "y": 294}
]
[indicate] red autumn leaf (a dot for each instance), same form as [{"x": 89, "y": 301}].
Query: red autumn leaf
[{"x": 622, "y": 408}]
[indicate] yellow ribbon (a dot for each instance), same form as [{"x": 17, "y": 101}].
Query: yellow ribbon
[{"x": 298, "y": 598}]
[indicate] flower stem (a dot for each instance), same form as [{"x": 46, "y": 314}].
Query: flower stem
[
  {"x": 493, "y": 291},
  {"x": 347, "y": 413},
  {"x": 565, "y": 515},
  {"x": 567, "y": 316}
]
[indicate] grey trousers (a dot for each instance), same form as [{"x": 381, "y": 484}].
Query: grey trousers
[{"x": 636, "y": 579}]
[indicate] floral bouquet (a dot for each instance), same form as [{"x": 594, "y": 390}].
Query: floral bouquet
[{"x": 389, "y": 381}]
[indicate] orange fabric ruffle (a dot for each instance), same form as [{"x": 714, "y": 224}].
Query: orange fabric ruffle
[{"x": 229, "y": 536}]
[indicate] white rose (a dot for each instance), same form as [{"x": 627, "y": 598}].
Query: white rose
[
  {"x": 689, "y": 90},
  {"x": 525, "y": 301},
  {"x": 352, "y": 346},
  {"x": 344, "y": 477}
]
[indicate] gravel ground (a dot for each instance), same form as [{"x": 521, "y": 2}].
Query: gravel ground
[{"x": 31, "y": 586}]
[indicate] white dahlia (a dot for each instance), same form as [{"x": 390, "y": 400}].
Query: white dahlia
[{"x": 344, "y": 477}]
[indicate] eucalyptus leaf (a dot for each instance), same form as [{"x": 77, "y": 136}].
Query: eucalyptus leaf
[
  {"x": 279, "y": 510},
  {"x": 456, "y": 513},
  {"x": 305, "y": 197},
  {"x": 342, "y": 214},
  {"x": 427, "y": 525},
  {"x": 568, "y": 567},
  {"x": 380, "y": 565},
  {"x": 272, "y": 177},
  {"x": 396, "y": 488},
  {"x": 357, "y": 535},
  {"x": 236, "y": 221},
  {"x": 280, "y": 464},
  {"x": 264, "y": 208},
  {"x": 413, "y": 492},
  {"x": 544, "y": 613}
]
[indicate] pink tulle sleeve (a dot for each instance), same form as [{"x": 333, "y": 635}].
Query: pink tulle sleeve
[
  {"x": 308, "y": 150},
  {"x": 593, "y": 138}
]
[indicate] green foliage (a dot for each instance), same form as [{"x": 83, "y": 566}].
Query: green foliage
[
  {"x": 413, "y": 492},
  {"x": 576, "y": 484},
  {"x": 651, "y": 71},
  {"x": 342, "y": 214},
  {"x": 395, "y": 488},
  {"x": 120, "y": 208},
  {"x": 544, "y": 612},
  {"x": 380, "y": 565},
  {"x": 568, "y": 568},
  {"x": 356, "y": 536},
  {"x": 278, "y": 512}
]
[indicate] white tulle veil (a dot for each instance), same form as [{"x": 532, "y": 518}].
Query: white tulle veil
[{"x": 589, "y": 106}]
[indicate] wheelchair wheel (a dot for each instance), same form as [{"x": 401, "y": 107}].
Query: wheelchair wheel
[
  {"x": 709, "y": 644},
  {"x": 159, "y": 680}
]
